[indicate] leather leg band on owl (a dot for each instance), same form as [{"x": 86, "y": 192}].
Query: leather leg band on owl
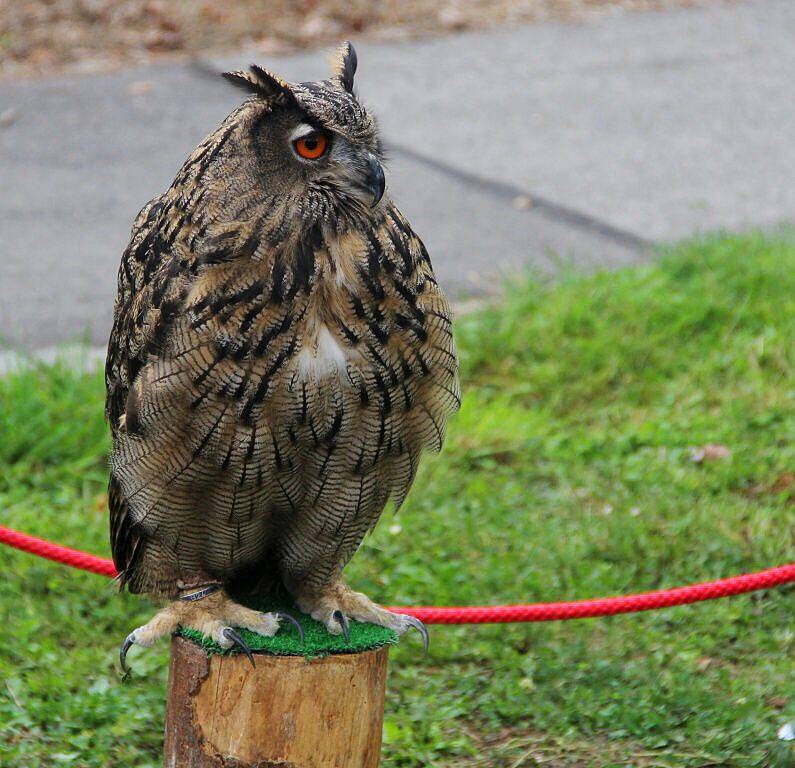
[{"x": 192, "y": 597}]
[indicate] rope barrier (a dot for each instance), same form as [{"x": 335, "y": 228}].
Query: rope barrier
[
  {"x": 57, "y": 553},
  {"x": 495, "y": 614}
]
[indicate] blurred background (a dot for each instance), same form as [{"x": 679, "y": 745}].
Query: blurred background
[
  {"x": 606, "y": 191},
  {"x": 543, "y": 131}
]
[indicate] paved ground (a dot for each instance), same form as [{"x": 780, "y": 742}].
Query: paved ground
[{"x": 640, "y": 128}]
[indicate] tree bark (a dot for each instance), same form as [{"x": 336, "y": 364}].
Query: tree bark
[{"x": 288, "y": 712}]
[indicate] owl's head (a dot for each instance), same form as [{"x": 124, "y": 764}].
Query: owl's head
[{"x": 311, "y": 145}]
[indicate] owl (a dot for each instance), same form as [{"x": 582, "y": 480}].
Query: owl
[{"x": 281, "y": 355}]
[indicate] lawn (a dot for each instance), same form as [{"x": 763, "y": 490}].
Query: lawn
[{"x": 567, "y": 474}]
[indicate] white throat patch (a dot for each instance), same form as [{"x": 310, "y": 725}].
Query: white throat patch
[{"x": 322, "y": 357}]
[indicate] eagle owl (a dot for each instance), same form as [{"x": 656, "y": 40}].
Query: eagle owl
[{"x": 280, "y": 356}]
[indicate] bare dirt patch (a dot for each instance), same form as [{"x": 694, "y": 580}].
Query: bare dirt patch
[{"x": 44, "y": 36}]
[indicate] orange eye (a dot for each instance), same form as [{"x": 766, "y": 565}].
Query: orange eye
[{"x": 311, "y": 147}]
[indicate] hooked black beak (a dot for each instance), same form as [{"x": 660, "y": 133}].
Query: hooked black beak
[{"x": 375, "y": 182}]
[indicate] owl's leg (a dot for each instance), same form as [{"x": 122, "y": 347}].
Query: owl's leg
[
  {"x": 214, "y": 615},
  {"x": 335, "y": 603}
]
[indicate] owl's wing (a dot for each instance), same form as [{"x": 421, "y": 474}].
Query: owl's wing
[
  {"x": 421, "y": 350},
  {"x": 150, "y": 289}
]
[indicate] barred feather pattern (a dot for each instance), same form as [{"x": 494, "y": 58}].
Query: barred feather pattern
[{"x": 271, "y": 379}]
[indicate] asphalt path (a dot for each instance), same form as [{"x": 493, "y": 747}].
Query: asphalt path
[{"x": 546, "y": 146}]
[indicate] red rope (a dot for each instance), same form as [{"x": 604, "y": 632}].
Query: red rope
[
  {"x": 494, "y": 614},
  {"x": 609, "y": 606},
  {"x": 57, "y": 553}
]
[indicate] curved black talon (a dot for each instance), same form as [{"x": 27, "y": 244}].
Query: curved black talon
[
  {"x": 294, "y": 621},
  {"x": 420, "y": 627},
  {"x": 230, "y": 634},
  {"x": 343, "y": 622},
  {"x": 128, "y": 643}
]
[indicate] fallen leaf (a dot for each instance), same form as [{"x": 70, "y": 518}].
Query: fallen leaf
[
  {"x": 783, "y": 482},
  {"x": 709, "y": 452},
  {"x": 139, "y": 87},
  {"x": 8, "y": 117}
]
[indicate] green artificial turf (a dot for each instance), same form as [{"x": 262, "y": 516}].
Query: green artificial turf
[
  {"x": 317, "y": 641},
  {"x": 568, "y": 474}
]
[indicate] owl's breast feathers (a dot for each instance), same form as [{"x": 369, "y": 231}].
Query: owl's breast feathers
[{"x": 251, "y": 374}]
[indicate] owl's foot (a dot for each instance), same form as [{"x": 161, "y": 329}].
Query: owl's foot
[
  {"x": 338, "y": 603},
  {"x": 214, "y": 616}
]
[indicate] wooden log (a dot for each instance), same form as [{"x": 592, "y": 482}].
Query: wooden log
[{"x": 288, "y": 712}]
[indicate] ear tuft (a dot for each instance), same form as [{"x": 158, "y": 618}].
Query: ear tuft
[
  {"x": 259, "y": 82},
  {"x": 343, "y": 65}
]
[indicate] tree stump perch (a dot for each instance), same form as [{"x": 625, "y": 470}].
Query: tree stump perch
[{"x": 288, "y": 712}]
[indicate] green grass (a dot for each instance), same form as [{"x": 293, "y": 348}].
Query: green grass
[{"x": 566, "y": 475}]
